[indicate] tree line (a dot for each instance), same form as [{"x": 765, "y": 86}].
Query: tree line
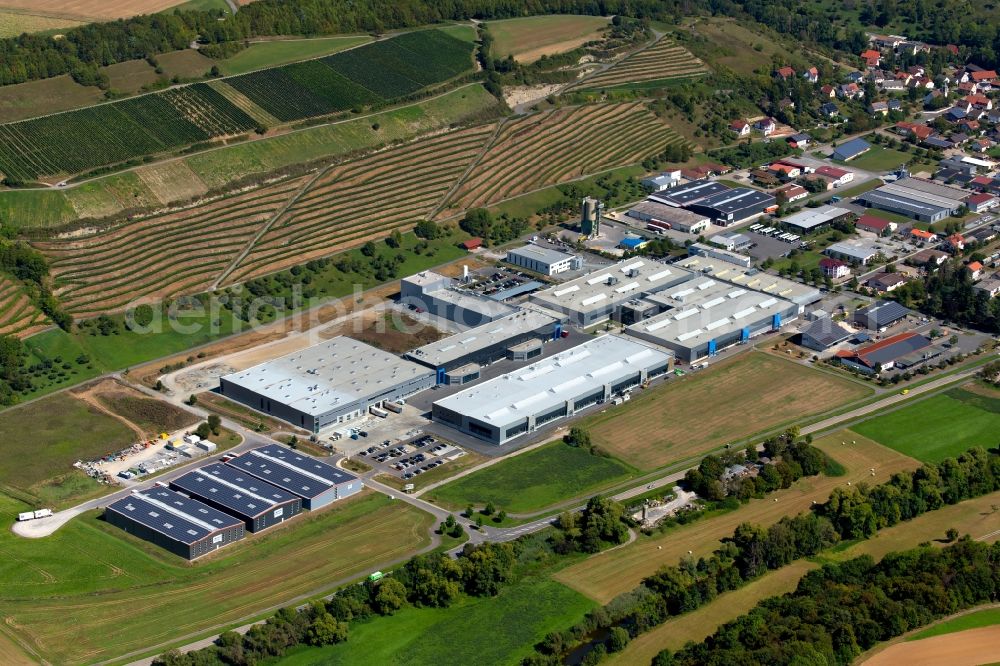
[
  {"x": 839, "y": 611},
  {"x": 948, "y": 293},
  {"x": 854, "y": 512}
]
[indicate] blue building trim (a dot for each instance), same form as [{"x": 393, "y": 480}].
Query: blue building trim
[
  {"x": 745, "y": 334},
  {"x": 776, "y": 321},
  {"x": 712, "y": 347}
]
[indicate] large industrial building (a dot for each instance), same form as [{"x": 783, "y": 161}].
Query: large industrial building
[
  {"x": 326, "y": 384},
  {"x": 751, "y": 278},
  {"x": 913, "y": 197},
  {"x": 660, "y": 217},
  {"x": 688, "y": 193},
  {"x": 598, "y": 296},
  {"x": 705, "y": 250},
  {"x": 437, "y": 295},
  {"x": 703, "y": 316},
  {"x": 734, "y": 205},
  {"x": 524, "y": 400},
  {"x": 810, "y": 219},
  {"x": 543, "y": 260},
  {"x": 184, "y": 526},
  {"x": 315, "y": 482},
  {"x": 458, "y": 359},
  {"x": 257, "y": 503}
]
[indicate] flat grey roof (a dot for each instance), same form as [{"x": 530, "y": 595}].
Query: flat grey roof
[
  {"x": 174, "y": 515},
  {"x": 543, "y": 254},
  {"x": 854, "y": 248},
  {"x": 814, "y": 217},
  {"x": 669, "y": 214},
  {"x": 916, "y": 196},
  {"x": 752, "y": 278},
  {"x": 328, "y": 375},
  {"x": 473, "y": 302},
  {"x": 459, "y": 345},
  {"x": 611, "y": 285},
  {"x": 703, "y": 309},
  {"x": 554, "y": 380}
]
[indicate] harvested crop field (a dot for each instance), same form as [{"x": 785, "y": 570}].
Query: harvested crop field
[
  {"x": 663, "y": 60},
  {"x": 606, "y": 575},
  {"x": 91, "y": 10},
  {"x": 15, "y": 23},
  {"x": 751, "y": 393},
  {"x": 354, "y": 202},
  {"x": 157, "y": 257},
  {"x": 529, "y": 38},
  {"x": 18, "y": 315},
  {"x": 965, "y": 648},
  {"x": 542, "y": 149},
  {"x": 24, "y": 100}
]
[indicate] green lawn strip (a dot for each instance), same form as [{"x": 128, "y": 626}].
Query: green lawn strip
[
  {"x": 981, "y": 618},
  {"x": 881, "y": 159},
  {"x": 280, "y": 51},
  {"x": 948, "y": 426},
  {"x": 535, "y": 480},
  {"x": 518, "y": 617},
  {"x": 867, "y": 186}
]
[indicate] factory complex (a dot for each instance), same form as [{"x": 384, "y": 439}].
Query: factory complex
[
  {"x": 521, "y": 401},
  {"x": 438, "y": 295},
  {"x": 326, "y": 384},
  {"x": 916, "y": 198},
  {"x": 721, "y": 204},
  {"x": 216, "y": 505}
]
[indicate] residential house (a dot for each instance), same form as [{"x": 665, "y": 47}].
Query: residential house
[
  {"x": 811, "y": 75},
  {"x": 786, "y": 103},
  {"x": 850, "y": 91},
  {"x": 741, "y": 127},
  {"x": 877, "y": 76},
  {"x": 829, "y": 109},
  {"x": 876, "y": 108},
  {"x": 903, "y": 77},
  {"x": 956, "y": 242},
  {"x": 876, "y": 225},
  {"x": 766, "y": 125},
  {"x": 985, "y": 76},
  {"x": 955, "y": 114},
  {"x": 975, "y": 269},
  {"x": 981, "y": 145},
  {"x": 883, "y": 283},
  {"x": 785, "y": 73},
  {"x": 800, "y": 140},
  {"x": 871, "y": 57},
  {"x": 979, "y": 101},
  {"x": 834, "y": 268},
  {"x": 828, "y": 91},
  {"x": 937, "y": 142},
  {"x": 917, "y": 130},
  {"x": 784, "y": 171},
  {"x": 893, "y": 86},
  {"x": 895, "y": 105},
  {"x": 922, "y": 83},
  {"x": 834, "y": 175},
  {"x": 929, "y": 258},
  {"x": 979, "y": 203},
  {"x": 791, "y": 192},
  {"x": 923, "y": 236},
  {"x": 855, "y": 77},
  {"x": 989, "y": 286}
]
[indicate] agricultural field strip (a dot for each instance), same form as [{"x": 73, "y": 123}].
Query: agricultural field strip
[
  {"x": 18, "y": 314},
  {"x": 364, "y": 197},
  {"x": 87, "y": 268},
  {"x": 627, "y": 132},
  {"x": 243, "y": 103},
  {"x": 663, "y": 60}
]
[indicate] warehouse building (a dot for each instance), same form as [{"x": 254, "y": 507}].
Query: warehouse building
[
  {"x": 919, "y": 199},
  {"x": 704, "y": 250},
  {"x": 257, "y": 503},
  {"x": 881, "y": 314},
  {"x": 886, "y": 354},
  {"x": 315, "y": 482},
  {"x": 598, "y": 296},
  {"x": 524, "y": 400},
  {"x": 660, "y": 217},
  {"x": 689, "y": 193},
  {"x": 704, "y": 316},
  {"x": 824, "y": 333},
  {"x": 436, "y": 294},
  {"x": 543, "y": 260},
  {"x": 734, "y": 205},
  {"x": 811, "y": 219},
  {"x": 854, "y": 251},
  {"x": 326, "y": 384},
  {"x": 184, "y": 526},
  {"x": 751, "y": 278},
  {"x": 459, "y": 358}
]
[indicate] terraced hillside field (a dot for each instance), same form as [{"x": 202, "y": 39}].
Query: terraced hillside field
[
  {"x": 661, "y": 61},
  {"x": 109, "y": 134},
  {"x": 365, "y": 199},
  {"x": 556, "y": 146},
  {"x": 158, "y": 257},
  {"x": 18, "y": 315}
]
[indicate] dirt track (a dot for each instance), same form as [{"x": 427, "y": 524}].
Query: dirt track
[{"x": 964, "y": 648}]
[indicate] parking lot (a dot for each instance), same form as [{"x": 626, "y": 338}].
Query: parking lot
[{"x": 409, "y": 459}]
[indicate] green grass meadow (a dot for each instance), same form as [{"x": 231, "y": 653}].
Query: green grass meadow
[
  {"x": 535, "y": 480},
  {"x": 499, "y": 630},
  {"x": 280, "y": 51},
  {"x": 982, "y": 618},
  {"x": 939, "y": 427}
]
